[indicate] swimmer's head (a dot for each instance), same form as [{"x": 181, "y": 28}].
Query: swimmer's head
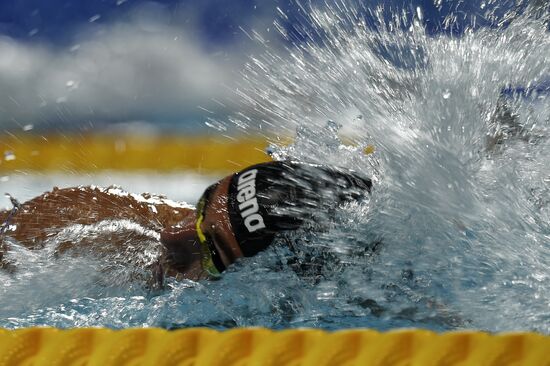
[{"x": 240, "y": 215}]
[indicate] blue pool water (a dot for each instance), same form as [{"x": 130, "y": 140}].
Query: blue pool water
[{"x": 456, "y": 233}]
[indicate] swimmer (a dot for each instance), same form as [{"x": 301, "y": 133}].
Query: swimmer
[{"x": 236, "y": 217}]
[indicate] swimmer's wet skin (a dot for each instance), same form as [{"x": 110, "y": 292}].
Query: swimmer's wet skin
[{"x": 238, "y": 216}]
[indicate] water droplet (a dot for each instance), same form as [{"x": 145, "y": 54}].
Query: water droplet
[
  {"x": 33, "y": 32},
  {"x": 94, "y": 18},
  {"x": 61, "y": 100},
  {"x": 28, "y": 127},
  {"x": 333, "y": 127},
  {"x": 9, "y": 156},
  {"x": 446, "y": 94},
  {"x": 419, "y": 13},
  {"x": 5, "y": 178},
  {"x": 72, "y": 85}
]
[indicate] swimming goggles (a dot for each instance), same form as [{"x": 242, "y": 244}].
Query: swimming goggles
[{"x": 210, "y": 258}]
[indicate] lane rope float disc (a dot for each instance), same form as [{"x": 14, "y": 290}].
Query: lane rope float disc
[{"x": 258, "y": 346}]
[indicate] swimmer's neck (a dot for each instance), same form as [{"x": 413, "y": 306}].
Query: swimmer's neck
[{"x": 181, "y": 257}]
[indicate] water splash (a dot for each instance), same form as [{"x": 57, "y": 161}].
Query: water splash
[{"x": 461, "y": 203}]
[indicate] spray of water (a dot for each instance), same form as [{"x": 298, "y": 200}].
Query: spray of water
[{"x": 461, "y": 205}]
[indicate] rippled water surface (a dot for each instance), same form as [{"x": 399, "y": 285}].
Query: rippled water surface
[{"x": 456, "y": 233}]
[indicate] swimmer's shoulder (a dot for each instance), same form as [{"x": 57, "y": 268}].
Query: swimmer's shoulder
[{"x": 89, "y": 203}]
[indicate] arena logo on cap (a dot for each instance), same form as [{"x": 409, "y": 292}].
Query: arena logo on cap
[{"x": 248, "y": 203}]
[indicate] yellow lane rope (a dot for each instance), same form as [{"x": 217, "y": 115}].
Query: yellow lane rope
[
  {"x": 92, "y": 152},
  {"x": 83, "y": 153},
  {"x": 257, "y": 346}
]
